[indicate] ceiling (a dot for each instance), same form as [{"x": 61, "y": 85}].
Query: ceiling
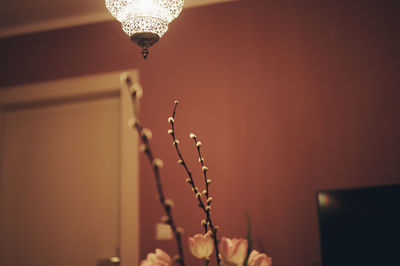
[{"x": 27, "y": 16}]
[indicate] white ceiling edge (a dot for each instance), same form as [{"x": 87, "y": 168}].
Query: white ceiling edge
[
  {"x": 81, "y": 20},
  {"x": 54, "y": 24}
]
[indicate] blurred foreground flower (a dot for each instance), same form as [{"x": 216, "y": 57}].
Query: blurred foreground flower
[
  {"x": 201, "y": 246},
  {"x": 233, "y": 251},
  {"x": 159, "y": 258},
  {"x": 259, "y": 259}
]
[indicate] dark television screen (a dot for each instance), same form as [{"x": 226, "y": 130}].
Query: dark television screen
[{"x": 360, "y": 226}]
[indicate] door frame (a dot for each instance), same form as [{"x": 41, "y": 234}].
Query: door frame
[{"x": 88, "y": 87}]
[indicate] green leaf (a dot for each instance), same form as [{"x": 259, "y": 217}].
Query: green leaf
[{"x": 249, "y": 239}]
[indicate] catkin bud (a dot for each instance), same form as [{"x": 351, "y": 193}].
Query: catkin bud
[
  {"x": 176, "y": 102},
  {"x": 203, "y": 222},
  {"x": 164, "y": 219},
  {"x": 198, "y": 195},
  {"x": 209, "y": 200},
  {"x": 201, "y": 159},
  {"x": 170, "y": 131},
  {"x": 208, "y": 208},
  {"x": 198, "y": 144},
  {"x": 175, "y": 142},
  {"x": 142, "y": 147},
  {"x": 170, "y": 120},
  {"x": 146, "y": 133},
  {"x": 180, "y": 230},
  {"x": 136, "y": 90},
  {"x": 192, "y": 136},
  {"x": 204, "y": 168},
  {"x": 180, "y": 161},
  {"x": 158, "y": 163},
  {"x": 131, "y": 122},
  {"x": 177, "y": 258},
  {"x": 188, "y": 180},
  {"x": 204, "y": 192},
  {"x": 169, "y": 203},
  {"x": 208, "y": 181}
]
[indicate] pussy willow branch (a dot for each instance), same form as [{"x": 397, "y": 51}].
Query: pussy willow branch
[
  {"x": 203, "y": 168},
  {"x": 190, "y": 181},
  {"x": 156, "y": 164}
]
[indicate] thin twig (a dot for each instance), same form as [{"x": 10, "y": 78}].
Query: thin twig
[
  {"x": 156, "y": 164},
  {"x": 203, "y": 168},
  {"x": 190, "y": 181}
]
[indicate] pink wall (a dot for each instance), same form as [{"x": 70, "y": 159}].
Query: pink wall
[{"x": 287, "y": 97}]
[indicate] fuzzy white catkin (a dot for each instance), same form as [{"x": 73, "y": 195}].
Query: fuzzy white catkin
[
  {"x": 136, "y": 89},
  {"x": 147, "y": 133},
  {"x": 142, "y": 147},
  {"x": 169, "y": 202},
  {"x": 131, "y": 122},
  {"x": 158, "y": 162}
]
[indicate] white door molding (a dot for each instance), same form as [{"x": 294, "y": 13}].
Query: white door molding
[{"x": 101, "y": 85}]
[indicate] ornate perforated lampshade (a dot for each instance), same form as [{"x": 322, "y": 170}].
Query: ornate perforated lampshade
[{"x": 145, "y": 21}]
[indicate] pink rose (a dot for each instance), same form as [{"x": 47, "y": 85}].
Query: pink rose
[
  {"x": 233, "y": 251},
  {"x": 159, "y": 258},
  {"x": 201, "y": 246},
  {"x": 259, "y": 259}
]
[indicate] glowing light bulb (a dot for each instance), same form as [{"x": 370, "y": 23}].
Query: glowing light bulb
[{"x": 145, "y": 21}]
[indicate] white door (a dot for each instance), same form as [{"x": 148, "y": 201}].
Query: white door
[{"x": 64, "y": 180}]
